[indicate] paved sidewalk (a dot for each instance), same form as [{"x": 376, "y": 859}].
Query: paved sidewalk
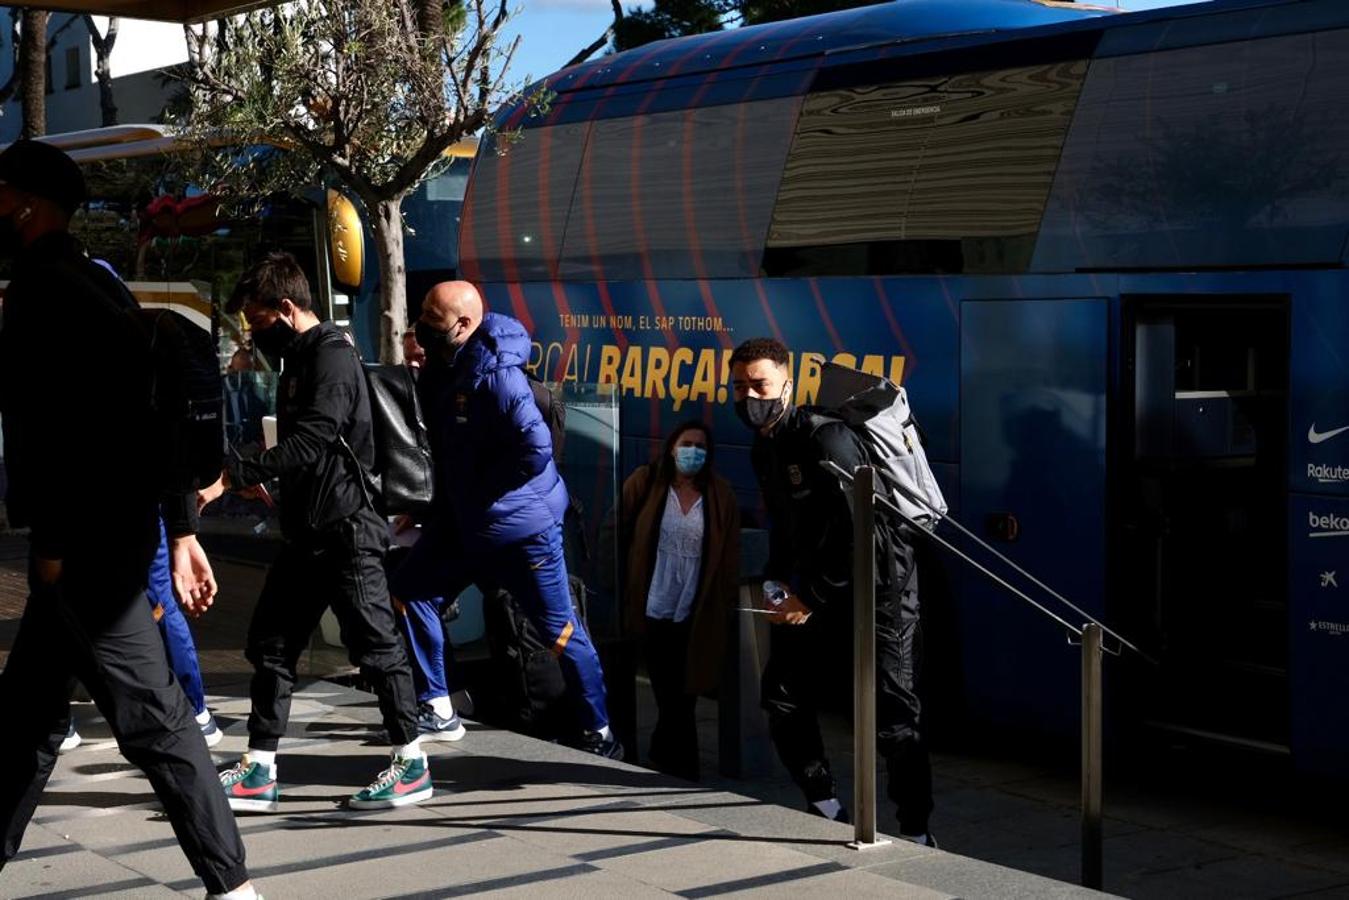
[{"x": 512, "y": 817}]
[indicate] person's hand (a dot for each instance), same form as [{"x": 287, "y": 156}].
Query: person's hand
[
  {"x": 207, "y": 496},
  {"x": 791, "y": 612},
  {"x": 193, "y": 580},
  {"x": 403, "y": 522},
  {"x": 48, "y": 570}
]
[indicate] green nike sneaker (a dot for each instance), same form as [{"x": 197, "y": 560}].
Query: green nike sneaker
[
  {"x": 250, "y": 787},
  {"x": 406, "y": 781}
]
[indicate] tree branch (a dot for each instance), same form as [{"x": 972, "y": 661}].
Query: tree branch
[{"x": 600, "y": 41}]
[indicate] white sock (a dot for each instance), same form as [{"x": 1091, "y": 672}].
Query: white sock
[
  {"x": 605, "y": 733},
  {"x": 830, "y": 807},
  {"x": 245, "y": 891},
  {"x": 442, "y": 707},
  {"x": 409, "y": 751},
  {"x": 264, "y": 758},
  {"x": 203, "y": 717}
]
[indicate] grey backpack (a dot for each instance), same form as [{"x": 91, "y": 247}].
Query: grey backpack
[{"x": 878, "y": 411}]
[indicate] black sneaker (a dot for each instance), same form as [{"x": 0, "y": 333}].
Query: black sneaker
[
  {"x": 923, "y": 840},
  {"x": 596, "y": 743}
]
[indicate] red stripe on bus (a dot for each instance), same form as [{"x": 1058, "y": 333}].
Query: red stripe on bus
[
  {"x": 824, "y": 314},
  {"x": 910, "y": 361}
]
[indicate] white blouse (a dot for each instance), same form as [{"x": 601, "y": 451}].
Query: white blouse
[{"x": 679, "y": 553}]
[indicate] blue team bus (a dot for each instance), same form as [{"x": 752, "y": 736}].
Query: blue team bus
[{"x": 1104, "y": 252}]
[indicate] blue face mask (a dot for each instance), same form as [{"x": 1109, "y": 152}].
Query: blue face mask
[{"x": 689, "y": 460}]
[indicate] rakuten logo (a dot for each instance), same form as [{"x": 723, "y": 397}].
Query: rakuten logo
[
  {"x": 1328, "y": 474},
  {"x": 1327, "y": 525}
]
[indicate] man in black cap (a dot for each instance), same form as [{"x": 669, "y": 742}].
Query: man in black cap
[{"x": 87, "y": 421}]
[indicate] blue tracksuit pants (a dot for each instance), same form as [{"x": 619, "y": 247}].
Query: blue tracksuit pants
[
  {"x": 178, "y": 644},
  {"x": 534, "y": 572}
]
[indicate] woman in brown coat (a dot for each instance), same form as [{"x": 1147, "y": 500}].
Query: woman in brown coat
[{"x": 682, "y": 537}]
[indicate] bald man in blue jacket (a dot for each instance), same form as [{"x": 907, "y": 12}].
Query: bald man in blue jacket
[{"x": 499, "y": 501}]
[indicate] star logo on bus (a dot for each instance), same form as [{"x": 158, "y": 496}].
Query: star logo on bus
[{"x": 1328, "y": 580}]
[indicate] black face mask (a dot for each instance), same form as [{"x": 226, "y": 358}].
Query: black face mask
[
  {"x": 436, "y": 343},
  {"x": 274, "y": 340},
  {"x": 756, "y": 412}
]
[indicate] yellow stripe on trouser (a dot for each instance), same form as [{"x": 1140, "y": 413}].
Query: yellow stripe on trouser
[{"x": 560, "y": 645}]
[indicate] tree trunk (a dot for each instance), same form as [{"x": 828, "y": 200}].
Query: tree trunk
[
  {"x": 107, "y": 103},
  {"x": 393, "y": 306},
  {"x": 103, "y": 44},
  {"x": 33, "y": 65}
]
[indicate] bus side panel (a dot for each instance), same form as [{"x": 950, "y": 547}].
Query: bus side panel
[
  {"x": 1033, "y": 481},
  {"x": 666, "y": 347},
  {"x": 1319, "y": 603},
  {"x": 1318, "y": 588}
]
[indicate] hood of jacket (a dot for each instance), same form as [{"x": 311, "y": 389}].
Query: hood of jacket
[{"x": 499, "y": 343}]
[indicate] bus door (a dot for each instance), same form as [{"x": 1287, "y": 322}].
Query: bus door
[
  {"x": 1033, "y": 388},
  {"x": 1203, "y": 560}
]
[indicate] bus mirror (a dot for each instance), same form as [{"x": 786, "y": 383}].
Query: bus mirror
[{"x": 346, "y": 241}]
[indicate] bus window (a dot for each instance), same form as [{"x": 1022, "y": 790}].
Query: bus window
[
  {"x": 936, "y": 173},
  {"x": 516, "y": 213},
  {"x": 1235, "y": 154},
  {"x": 684, "y": 194},
  {"x": 172, "y": 245}
]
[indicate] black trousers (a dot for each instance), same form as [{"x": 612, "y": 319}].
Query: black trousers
[
  {"x": 95, "y": 625},
  {"x": 341, "y": 567},
  {"x": 674, "y": 742},
  {"x": 791, "y": 686}
]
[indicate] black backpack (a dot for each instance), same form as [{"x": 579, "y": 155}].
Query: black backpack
[
  {"x": 403, "y": 476},
  {"x": 187, "y": 397}
]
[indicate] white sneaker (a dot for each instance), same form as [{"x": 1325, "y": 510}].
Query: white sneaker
[{"x": 72, "y": 739}]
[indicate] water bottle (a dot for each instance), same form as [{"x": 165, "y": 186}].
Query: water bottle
[{"x": 774, "y": 594}]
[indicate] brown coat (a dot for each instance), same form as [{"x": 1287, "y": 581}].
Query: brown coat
[{"x": 718, "y": 576}]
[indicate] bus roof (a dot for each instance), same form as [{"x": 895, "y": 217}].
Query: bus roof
[{"x": 776, "y": 42}]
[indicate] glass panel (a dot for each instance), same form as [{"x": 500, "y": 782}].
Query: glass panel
[
  {"x": 1228, "y": 155},
  {"x": 931, "y": 174},
  {"x": 517, "y": 205},
  {"x": 683, "y": 194},
  {"x": 431, "y": 248}
]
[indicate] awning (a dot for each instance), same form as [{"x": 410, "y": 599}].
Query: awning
[{"x": 166, "y": 10}]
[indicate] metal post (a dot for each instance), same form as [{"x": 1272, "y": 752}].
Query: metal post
[
  {"x": 1091, "y": 757},
  {"x": 864, "y": 661}
]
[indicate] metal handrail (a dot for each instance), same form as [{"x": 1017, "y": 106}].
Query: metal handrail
[
  {"x": 866, "y": 501},
  {"x": 1076, "y": 631}
]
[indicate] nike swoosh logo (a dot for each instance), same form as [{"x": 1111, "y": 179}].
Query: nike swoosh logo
[
  {"x": 1317, "y": 437},
  {"x": 241, "y": 791},
  {"x": 417, "y": 785}
]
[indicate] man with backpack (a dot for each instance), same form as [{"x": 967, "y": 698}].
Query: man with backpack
[
  {"x": 810, "y": 568},
  {"x": 334, "y": 544},
  {"x": 499, "y": 502},
  {"x": 83, "y": 465}
]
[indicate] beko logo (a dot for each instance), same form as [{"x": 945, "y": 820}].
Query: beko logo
[
  {"x": 1327, "y": 525},
  {"x": 1317, "y": 437},
  {"x": 1328, "y": 474}
]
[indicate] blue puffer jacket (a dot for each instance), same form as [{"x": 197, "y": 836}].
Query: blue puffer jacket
[{"x": 495, "y": 478}]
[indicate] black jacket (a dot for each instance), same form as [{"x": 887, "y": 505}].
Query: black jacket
[
  {"x": 322, "y": 400},
  {"x": 75, "y": 402},
  {"x": 810, "y": 528}
]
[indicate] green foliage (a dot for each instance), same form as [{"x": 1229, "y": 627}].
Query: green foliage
[
  {"x": 358, "y": 91},
  {"x": 677, "y": 18}
]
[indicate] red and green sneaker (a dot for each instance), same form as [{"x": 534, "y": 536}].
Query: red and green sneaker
[
  {"x": 406, "y": 781},
  {"x": 250, "y": 787}
]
